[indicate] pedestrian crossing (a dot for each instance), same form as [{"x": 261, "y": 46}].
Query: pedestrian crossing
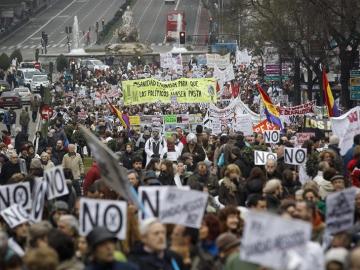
[{"x": 31, "y": 47}]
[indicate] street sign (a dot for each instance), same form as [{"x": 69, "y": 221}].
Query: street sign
[
  {"x": 354, "y": 85},
  {"x": 46, "y": 112}
]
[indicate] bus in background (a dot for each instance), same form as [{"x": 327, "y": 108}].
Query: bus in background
[{"x": 175, "y": 23}]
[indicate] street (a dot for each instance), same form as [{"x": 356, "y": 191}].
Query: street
[{"x": 53, "y": 21}]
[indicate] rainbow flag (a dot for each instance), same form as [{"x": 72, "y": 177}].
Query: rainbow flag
[
  {"x": 271, "y": 112},
  {"x": 333, "y": 110},
  {"x": 124, "y": 118}
]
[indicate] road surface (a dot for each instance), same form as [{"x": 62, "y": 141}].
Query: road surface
[{"x": 53, "y": 21}]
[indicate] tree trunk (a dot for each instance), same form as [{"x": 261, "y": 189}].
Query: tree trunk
[
  {"x": 297, "y": 87},
  {"x": 310, "y": 84},
  {"x": 346, "y": 63}
]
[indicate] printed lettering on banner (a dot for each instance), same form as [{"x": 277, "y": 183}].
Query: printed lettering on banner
[
  {"x": 152, "y": 198},
  {"x": 303, "y": 136},
  {"x": 183, "y": 207},
  {"x": 346, "y": 127},
  {"x": 272, "y": 136},
  {"x": 15, "y": 194},
  {"x": 244, "y": 124},
  {"x": 110, "y": 214},
  {"x": 295, "y": 156},
  {"x": 15, "y": 215},
  {"x": 214, "y": 59},
  {"x": 56, "y": 182},
  {"x": 267, "y": 239},
  {"x": 260, "y": 157},
  {"x": 134, "y": 120},
  {"x": 340, "y": 207},
  {"x": 38, "y": 201}
]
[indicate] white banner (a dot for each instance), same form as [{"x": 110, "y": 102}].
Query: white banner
[
  {"x": 56, "y": 182},
  {"x": 103, "y": 213},
  {"x": 346, "y": 127},
  {"x": 295, "y": 156},
  {"x": 243, "y": 57},
  {"x": 173, "y": 205},
  {"x": 340, "y": 207},
  {"x": 224, "y": 76},
  {"x": 214, "y": 59},
  {"x": 260, "y": 157},
  {"x": 267, "y": 239},
  {"x": 15, "y": 194},
  {"x": 38, "y": 201},
  {"x": 244, "y": 124},
  {"x": 15, "y": 215}
]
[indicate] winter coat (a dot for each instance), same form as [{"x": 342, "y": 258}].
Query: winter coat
[
  {"x": 198, "y": 153},
  {"x": 150, "y": 261},
  {"x": 126, "y": 160},
  {"x": 230, "y": 193},
  {"x": 209, "y": 180},
  {"x": 24, "y": 118},
  {"x": 91, "y": 176},
  {"x": 58, "y": 156},
  {"x": 75, "y": 163},
  {"x": 20, "y": 139},
  {"x": 7, "y": 170},
  {"x": 112, "y": 266},
  {"x": 149, "y": 148}
]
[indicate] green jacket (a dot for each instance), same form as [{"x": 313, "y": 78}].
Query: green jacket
[
  {"x": 234, "y": 263},
  {"x": 24, "y": 118}
]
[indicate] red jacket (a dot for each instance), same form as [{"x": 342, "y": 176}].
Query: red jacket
[
  {"x": 6, "y": 140},
  {"x": 91, "y": 176}
]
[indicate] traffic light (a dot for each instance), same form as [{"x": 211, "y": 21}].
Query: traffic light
[
  {"x": 68, "y": 29},
  {"x": 182, "y": 37}
]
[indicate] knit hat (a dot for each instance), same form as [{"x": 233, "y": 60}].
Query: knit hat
[
  {"x": 336, "y": 177},
  {"x": 99, "y": 235},
  {"x": 61, "y": 205},
  {"x": 225, "y": 241}
]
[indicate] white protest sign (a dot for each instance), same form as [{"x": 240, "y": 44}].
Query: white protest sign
[
  {"x": 15, "y": 194},
  {"x": 103, "y": 213},
  {"x": 346, "y": 127},
  {"x": 244, "y": 124},
  {"x": 214, "y": 59},
  {"x": 267, "y": 238},
  {"x": 38, "y": 202},
  {"x": 56, "y": 182},
  {"x": 340, "y": 207},
  {"x": 243, "y": 58},
  {"x": 272, "y": 136},
  {"x": 114, "y": 175},
  {"x": 152, "y": 198},
  {"x": 260, "y": 157},
  {"x": 295, "y": 156},
  {"x": 14, "y": 215},
  {"x": 183, "y": 207}
]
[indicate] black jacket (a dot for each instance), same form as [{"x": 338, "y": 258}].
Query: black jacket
[
  {"x": 150, "y": 261},
  {"x": 7, "y": 171},
  {"x": 111, "y": 266},
  {"x": 126, "y": 160}
]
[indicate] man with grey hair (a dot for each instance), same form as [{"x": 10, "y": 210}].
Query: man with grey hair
[
  {"x": 73, "y": 161},
  {"x": 271, "y": 169},
  {"x": 153, "y": 251},
  {"x": 69, "y": 225}
]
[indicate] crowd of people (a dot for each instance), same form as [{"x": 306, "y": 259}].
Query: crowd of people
[{"x": 221, "y": 165}]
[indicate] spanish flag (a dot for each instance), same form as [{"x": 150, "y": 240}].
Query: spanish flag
[
  {"x": 333, "y": 111},
  {"x": 271, "y": 112},
  {"x": 123, "y": 120}
]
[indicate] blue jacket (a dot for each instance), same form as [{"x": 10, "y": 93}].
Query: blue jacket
[{"x": 111, "y": 266}]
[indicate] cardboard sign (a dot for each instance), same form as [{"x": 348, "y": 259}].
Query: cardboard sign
[
  {"x": 260, "y": 157},
  {"x": 170, "y": 119},
  {"x": 340, "y": 207},
  {"x": 183, "y": 207},
  {"x": 303, "y": 136},
  {"x": 15, "y": 194},
  {"x": 173, "y": 205},
  {"x": 272, "y": 136},
  {"x": 295, "y": 156},
  {"x": 56, "y": 182},
  {"x": 268, "y": 238},
  {"x": 113, "y": 174},
  {"x": 38, "y": 202},
  {"x": 134, "y": 120},
  {"x": 14, "y": 215},
  {"x": 244, "y": 124},
  {"x": 103, "y": 213}
]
